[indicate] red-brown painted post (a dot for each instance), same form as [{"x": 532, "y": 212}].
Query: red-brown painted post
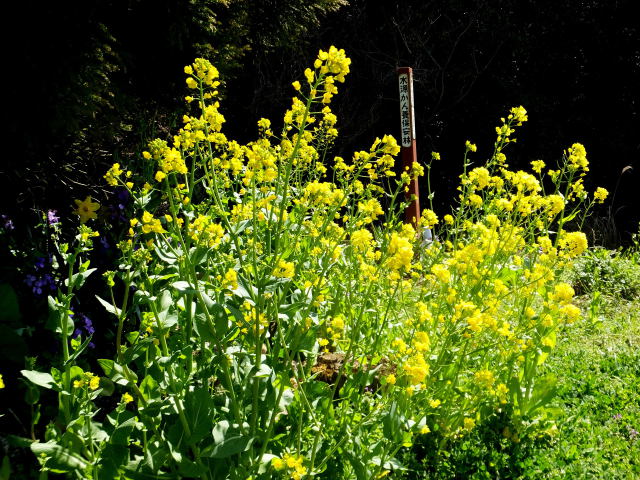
[{"x": 408, "y": 140}]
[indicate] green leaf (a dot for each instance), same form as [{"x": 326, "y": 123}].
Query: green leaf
[
  {"x": 120, "y": 435},
  {"x": 59, "y": 458},
  {"x": 220, "y": 319},
  {"x": 108, "y": 307},
  {"x": 78, "y": 279},
  {"x": 136, "y": 350},
  {"x": 183, "y": 287},
  {"x": 229, "y": 446},
  {"x": 79, "y": 351},
  {"x": 112, "y": 457},
  {"x": 149, "y": 387},
  {"x": 114, "y": 371},
  {"x": 199, "y": 409},
  {"x": 41, "y": 379},
  {"x": 391, "y": 422},
  {"x": 5, "y": 469}
]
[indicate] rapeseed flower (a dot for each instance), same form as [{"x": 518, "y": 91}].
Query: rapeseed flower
[
  {"x": 126, "y": 398},
  {"x": 600, "y": 195}
]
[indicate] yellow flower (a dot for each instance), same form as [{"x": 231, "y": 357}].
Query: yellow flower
[
  {"x": 421, "y": 342},
  {"x": 429, "y": 218},
  {"x": 424, "y": 430},
  {"x": 400, "y": 253},
  {"x": 441, "y": 272},
  {"x": 469, "y": 423},
  {"x": 519, "y": 114},
  {"x": 284, "y": 269},
  {"x": 94, "y": 383},
  {"x": 113, "y": 174},
  {"x": 390, "y": 379},
  {"x": 361, "y": 239},
  {"x": 485, "y": 378},
  {"x": 1, "y": 381},
  {"x": 231, "y": 279},
  {"x": 86, "y": 209},
  {"x": 416, "y": 368},
  {"x": 191, "y": 83},
  {"x": 578, "y": 157},
  {"x": 296, "y": 85},
  {"x": 574, "y": 243},
  {"x": 277, "y": 463},
  {"x": 126, "y": 398},
  {"x": 571, "y": 311},
  {"x": 150, "y": 224},
  {"x": 600, "y": 194},
  {"x": 470, "y": 146},
  {"x": 537, "y": 166}
]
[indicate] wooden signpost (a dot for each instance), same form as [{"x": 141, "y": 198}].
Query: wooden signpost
[{"x": 408, "y": 143}]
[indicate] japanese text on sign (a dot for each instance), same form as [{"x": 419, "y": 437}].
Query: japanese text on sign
[{"x": 407, "y": 126}]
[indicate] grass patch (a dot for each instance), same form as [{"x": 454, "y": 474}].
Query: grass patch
[
  {"x": 598, "y": 367},
  {"x": 597, "y": 363}
]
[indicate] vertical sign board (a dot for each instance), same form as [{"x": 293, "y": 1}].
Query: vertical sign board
[{"x": 408, "y": 136}]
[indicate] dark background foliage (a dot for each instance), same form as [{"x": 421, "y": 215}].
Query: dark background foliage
[{"x": 96, "y": 79}]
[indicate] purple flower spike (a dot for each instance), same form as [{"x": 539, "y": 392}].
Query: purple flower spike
[{"x": 52, "y": 218}]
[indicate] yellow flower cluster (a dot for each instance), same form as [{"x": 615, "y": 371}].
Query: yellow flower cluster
[
  {"x": 204, "y": 231},
  {"x": 202, "y": 71},
  {"x": 577, "y": 156},
  {"x": 400, "y": 253},
  {"x": 284, "y": 269},
  {"x": 88, "y": 379},
  {"x": 113, "y": 174},
  {"x": 151, "y": 224},
  {"x": 600, "y": 195},
  {"x": 294, "y": 464}
]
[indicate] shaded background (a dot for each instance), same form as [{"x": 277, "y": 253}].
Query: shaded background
[{"x": 95, "y": 80}]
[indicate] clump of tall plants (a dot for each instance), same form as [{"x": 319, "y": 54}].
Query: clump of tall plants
[{"x": 274, "y": 317}]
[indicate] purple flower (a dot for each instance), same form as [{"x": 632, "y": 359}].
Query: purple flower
[
  {"x": 40, "y": 263},
  {"x": 7, "y": 223},
  {"x": 86, "y": 327},
  {"x": 52, "y": 218},
  {"x": 41, "y": 285}
]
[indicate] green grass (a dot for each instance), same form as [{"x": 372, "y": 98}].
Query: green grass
[{"x": 597, "y": 363}]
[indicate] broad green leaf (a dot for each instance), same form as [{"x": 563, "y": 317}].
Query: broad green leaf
[
  {"x": 231, "y": 445},
  {"x": 199, "y": 410},
  {"x": 59, "y": 458},
  {"x": 108, "y": 307},
  {"x": 41, "y": 379},
  {"x": 78, "y": 279}
]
